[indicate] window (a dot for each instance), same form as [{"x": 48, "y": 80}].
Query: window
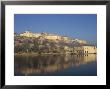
[{"x": 94, "y": 47}]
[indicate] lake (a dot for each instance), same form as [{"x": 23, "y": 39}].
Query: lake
[{"x": 56, "y": 65}]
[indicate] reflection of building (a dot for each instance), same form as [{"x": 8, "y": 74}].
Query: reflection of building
[
  {"x": 85, "y": 58},
  {"x": 85, "y": 49},
  {"x": 51, "y": 63}
]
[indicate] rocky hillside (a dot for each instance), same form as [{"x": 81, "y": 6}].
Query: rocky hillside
[{"x": 44, "y": 43}]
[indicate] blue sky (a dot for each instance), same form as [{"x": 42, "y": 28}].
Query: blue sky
[{"x": 81, "y": 26}]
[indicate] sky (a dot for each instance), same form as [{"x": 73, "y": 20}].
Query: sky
[{"x": 81, "y": 26}]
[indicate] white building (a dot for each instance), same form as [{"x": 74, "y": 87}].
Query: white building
[
  {"x": 85, "y": 49},
  {"x": 80, "y": 41},
  {"x": 30, "y": 34}
]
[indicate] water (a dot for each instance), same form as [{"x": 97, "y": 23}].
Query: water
[{"x": 56, "y": 65}]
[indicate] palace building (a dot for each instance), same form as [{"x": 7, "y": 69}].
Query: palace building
[
  {"x": 45, "y": 35},
  {"x": 85, "y": 49}
]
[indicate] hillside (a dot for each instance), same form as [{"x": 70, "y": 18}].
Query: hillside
[{"x": 44, "y": 43}]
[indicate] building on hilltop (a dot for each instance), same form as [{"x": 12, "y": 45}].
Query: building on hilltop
[
  {"x": 30, "y": 34},
  {"x": 65, "y": 38},
  {"x": 81, "y": 41},
  {"x": 45, "y": 35},
  {"x": 53, "y": 37}
]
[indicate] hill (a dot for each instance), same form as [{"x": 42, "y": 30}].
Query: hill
[{"x": 27, "y": 42}]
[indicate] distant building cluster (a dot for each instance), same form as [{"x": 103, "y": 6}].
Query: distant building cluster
[
  {"x": 81, "y": 41},
  {"x": 84, "y": 48},
  {"x": 45, "y": 35},
  {"x": 49, "y": 36},
  {"x": 30, "y": 34}
]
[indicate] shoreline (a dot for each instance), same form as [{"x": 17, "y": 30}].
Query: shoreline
[{"x": 37, "y": 54}]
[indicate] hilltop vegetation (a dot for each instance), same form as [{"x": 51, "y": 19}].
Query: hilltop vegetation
[{"x": 23, "y": 44}]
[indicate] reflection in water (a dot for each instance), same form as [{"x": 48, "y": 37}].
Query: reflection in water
[{"x": 45, "y": 64}]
